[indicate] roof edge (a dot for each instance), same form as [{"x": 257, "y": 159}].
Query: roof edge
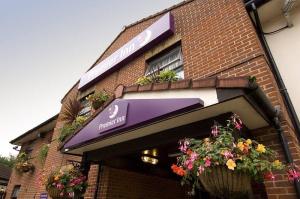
[{"x": 33, "y": 129}]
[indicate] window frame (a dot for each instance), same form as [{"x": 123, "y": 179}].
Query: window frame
[
  {"x": 15, "y": 192},
  {"x": 165, "y": 54}
]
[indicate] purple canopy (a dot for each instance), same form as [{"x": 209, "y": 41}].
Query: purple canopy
[{"x": 124, "y": 114}]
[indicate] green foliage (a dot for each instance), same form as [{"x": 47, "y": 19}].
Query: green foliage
[
  {"x": 8, "y": 161},
  {"x": 167, "y": 76},
  {"x": 144, "y": 80},
  {"x": 97, "y": 99},
  {"x": 69, "y": 129},
  {"x": 163, "y": 76},
  {"x": 43, "y": 153}
]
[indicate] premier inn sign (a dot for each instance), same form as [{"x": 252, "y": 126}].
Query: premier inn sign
[
  {"x": 113, "y": 116},
  {"x": 155, "y": 33}
]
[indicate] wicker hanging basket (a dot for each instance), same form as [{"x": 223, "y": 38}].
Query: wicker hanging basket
[
  {"x": 54, "y": 193},
  {"x": 224, "y": 183}
]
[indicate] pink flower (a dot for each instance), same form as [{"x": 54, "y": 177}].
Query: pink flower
[
  {"x": 293, "y": 175},
  {"x": 183, "y": 145},
  {"x": 193, "y": 156},
  {"x": 189, "y": 164},
  {"x": 215, "y": 130},
  {"x": 228, "y": 154},
  {"x": 60, "y": 186},
  {"x": 207, "y": 162},
  {"x": 200, "y": 169},
  {"x": 71, "y": 194},
  {"x": 237, "y": 122}
]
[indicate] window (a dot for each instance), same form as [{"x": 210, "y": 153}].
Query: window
[
  {"x": 15, "y": 192},
  {"x": 171, "y": 60},
  {"x": 86, "y": 107}
]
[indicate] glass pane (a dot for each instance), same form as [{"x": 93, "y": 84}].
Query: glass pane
[{"x": 169, "y": 61}]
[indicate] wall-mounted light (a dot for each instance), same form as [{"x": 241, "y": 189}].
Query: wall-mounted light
[
  {"x": 16, "y": 148},
  {"x": 150, "y": 156}
]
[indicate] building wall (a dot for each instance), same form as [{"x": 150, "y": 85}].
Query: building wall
[
  {"x": 117, "y": 183},
  {"x": 29, "y": 181},
  {"x": 285, "y": 47},
  {"x": 217, "y": 39}
]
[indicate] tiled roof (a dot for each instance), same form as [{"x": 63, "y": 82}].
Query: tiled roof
[
  {"x": 5, "y": 172},
  {"x": 212, "y": 82}
]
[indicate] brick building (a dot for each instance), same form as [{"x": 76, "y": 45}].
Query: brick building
[
  {"x": 214, "y": 47},
  {"x": 25, "y": 185}
]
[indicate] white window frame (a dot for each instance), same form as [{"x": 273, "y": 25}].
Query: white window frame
[{"x": 167, "y": 66}]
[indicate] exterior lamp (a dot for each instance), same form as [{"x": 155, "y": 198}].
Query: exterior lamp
[{"x": 150, "y": 156}]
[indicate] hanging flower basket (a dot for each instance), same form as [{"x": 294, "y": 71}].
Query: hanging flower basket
[
  {"x": 225, "y": 163},
  {"x": 54, "y": 193},
  {"x": 24, "y": 167},
  {"x": 68, "y": 182},
  {"x": 22, "y": 164},
  {"x": 224, "y": 183}
]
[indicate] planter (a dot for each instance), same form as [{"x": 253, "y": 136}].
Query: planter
[
  {"x": 24, "y": 167},
  {"x": 54, "y": 193},
  {"x": 97, "y": 104},
  {"x": 224, "y": 183}
]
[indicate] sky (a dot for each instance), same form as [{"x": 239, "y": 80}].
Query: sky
[{"x": 45, "y": 46}]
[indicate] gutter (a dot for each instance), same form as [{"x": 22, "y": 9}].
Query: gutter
[
  {"x": 282, "y": 88},
  {"x": 273, "y": 114}
]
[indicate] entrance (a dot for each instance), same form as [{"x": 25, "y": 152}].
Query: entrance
[
  {"x": 136, "y": 177},
  {"x": 125, "y": 175}
]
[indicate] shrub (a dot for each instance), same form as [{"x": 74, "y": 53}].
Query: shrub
[
  {"x": 43, "y": 153},
  {"x": 163, "y": 76},
  {"x": 97, "y": 99},
  {"x": 69, "y": 129}
]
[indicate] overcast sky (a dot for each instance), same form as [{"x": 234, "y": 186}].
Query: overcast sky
[{"x": 45, "y": 46}]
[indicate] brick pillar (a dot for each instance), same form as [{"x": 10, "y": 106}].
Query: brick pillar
[{"x": 280, "y": 188}]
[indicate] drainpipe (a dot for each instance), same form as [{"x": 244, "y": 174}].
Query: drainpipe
[
  {"x": 98, "y": 180},
  {"x": 273, "y": 114},
  {"x": 283, "y": 90}
]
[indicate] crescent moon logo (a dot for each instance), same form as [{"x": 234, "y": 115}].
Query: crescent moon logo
[
  {"x": 113, "y": 112},
  {"x": 147, "y": 38}
]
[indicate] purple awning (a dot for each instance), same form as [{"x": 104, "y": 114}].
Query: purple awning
[{"x": 124, "y": 114}]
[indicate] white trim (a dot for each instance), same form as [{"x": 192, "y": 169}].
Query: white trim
[{"x": 208, "y": 95}]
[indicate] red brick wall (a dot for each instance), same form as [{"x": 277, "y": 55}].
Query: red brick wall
[
  {"x": 217, "y": 39},
  {"x": 117, "y": 183},
  {"x": 28, "y": 181}
]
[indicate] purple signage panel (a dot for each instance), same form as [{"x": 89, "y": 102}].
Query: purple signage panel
[
  {"x": 43, "y": 196},
  {"x": 123, "y": 115},
  {"x": 113, "y": 116},
  {"x": 157, "y": 31}
]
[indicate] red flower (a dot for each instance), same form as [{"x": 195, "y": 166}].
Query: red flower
[
  {"x": 178, "y": 170},
  {"x": 269, "y": 176}
]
